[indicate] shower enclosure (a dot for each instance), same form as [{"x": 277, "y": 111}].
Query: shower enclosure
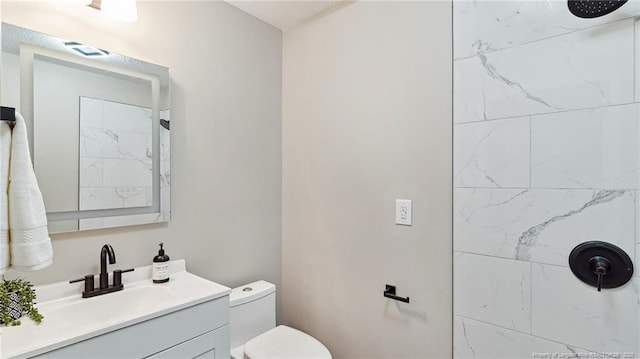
[{"x": 546, "y": 157}]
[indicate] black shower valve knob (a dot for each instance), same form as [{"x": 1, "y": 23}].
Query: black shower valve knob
[{"x": 601, "y": 264}]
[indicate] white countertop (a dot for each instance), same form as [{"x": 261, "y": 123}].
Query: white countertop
[{"x": 69, "y": 318}]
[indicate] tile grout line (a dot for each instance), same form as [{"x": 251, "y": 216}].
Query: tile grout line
[
  {"x": 523, "y": 333},
  {"x": 511, "y": 259},
  {"x": 635, "y": 231},
  {"x": 530, "y": 298},
  {"x": 552, "y": 188},
  {"x": 540, "y": 114},
  {"x": 451, "y": 195},
  {"x": 542, "y": 39},
  {"x": 530, "y": 149}
]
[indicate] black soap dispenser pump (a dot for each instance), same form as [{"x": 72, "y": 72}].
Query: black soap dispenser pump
[{"x": 160, "y": 270}]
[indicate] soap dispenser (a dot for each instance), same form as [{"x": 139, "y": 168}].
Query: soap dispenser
[{"x": 160, "y": 271}]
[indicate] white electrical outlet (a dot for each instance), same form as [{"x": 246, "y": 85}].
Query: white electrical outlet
[{"x": 403, "y": 212}]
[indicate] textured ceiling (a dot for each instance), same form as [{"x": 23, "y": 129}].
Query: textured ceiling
[{"x": 283, "y": 14}]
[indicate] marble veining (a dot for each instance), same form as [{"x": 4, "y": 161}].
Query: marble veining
[
  {"x": 115, "y": 155},
  {"x": 480, "y": 159},
  {"x": 486, "y": 26},
  {"x": 558, "y": 74},
  {"x": 466, "y": 338},
  {"x": 529, "y": 237},
  {"x": 476, "y": 339},
  {"x": 572, "y": 312},
  {"x": 108, "y": 143},
  {"x": 541, "y": 225},
  {"x": 493, "y": 290},
  {"x": 165, "y": 168},
  {"x": 546, "y": 156},
  {"x": 494, "y": 74}
]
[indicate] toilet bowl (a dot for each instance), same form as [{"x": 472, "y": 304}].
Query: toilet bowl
[{"x": 254, "y": 334}]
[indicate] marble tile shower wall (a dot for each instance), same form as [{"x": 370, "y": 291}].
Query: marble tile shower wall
[
  {"x": 546, "y": 156},
  {"x": 115, "y": 155}
]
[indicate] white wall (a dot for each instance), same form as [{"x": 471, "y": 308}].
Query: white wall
[
  {"x": 366, "y": 120},
  {"x": 226, "y": 137},
  {"x": 547, "y": 147},
  {"x": 10, "y": 85}
]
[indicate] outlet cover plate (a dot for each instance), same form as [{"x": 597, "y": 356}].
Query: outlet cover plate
[{"x": 403, "y": 212}]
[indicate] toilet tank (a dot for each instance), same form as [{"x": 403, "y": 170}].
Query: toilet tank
[{"x": 253, "y": 311}]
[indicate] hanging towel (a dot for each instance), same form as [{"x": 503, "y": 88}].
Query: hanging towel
[
  {"x": 29, "y": 238},
  {"x": 5, "y": 155}
]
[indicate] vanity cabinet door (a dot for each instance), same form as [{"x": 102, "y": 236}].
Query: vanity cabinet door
[{"x": 191, "y": 332}]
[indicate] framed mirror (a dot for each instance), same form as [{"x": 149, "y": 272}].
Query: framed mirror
[{"x": 99, "y": 127}]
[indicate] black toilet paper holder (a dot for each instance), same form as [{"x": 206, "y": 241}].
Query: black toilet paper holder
[{"x": 390, "y": 292}]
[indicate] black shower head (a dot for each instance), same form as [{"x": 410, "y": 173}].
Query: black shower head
[{"x": 591, "y": 8}]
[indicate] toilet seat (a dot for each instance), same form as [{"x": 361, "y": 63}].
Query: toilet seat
[{"x": 285, "y": 342}]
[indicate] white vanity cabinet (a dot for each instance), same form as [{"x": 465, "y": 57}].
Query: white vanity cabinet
[
  {"x": 187, "y": 317},
  {"x": 201, "y": 331}
]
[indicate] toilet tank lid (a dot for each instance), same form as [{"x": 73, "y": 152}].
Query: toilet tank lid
[{"x": 250, "y": 292}]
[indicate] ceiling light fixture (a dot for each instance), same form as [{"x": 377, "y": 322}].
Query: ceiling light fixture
[{"x": 123, "y": 10}]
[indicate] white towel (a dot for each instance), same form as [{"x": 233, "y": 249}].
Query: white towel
[
  {"x": 5, "y": 155},
  {"x": 29, "y": 238}
]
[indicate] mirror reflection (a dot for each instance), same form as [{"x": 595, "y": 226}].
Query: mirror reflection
[
  {"x": 99, "y": 124},
  {"x": 115, "y": 155}
]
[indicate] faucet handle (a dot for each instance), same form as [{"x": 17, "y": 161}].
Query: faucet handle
[
  {"x": 88, "y": 282},
  {"x": 117, "y": 276}
]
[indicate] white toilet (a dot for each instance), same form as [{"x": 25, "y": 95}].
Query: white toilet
[{"x": 254, "y": 334}]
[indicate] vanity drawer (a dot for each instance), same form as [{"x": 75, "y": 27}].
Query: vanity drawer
[
  {"x": 155, "y": 335},
  {"x": 205, "y": 346},
  {"x": 193, "y": 348}
]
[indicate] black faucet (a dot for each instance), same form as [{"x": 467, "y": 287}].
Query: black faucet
[
  {"x": 89, "y": 290},
  {"x": 104, "y": 275}
]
